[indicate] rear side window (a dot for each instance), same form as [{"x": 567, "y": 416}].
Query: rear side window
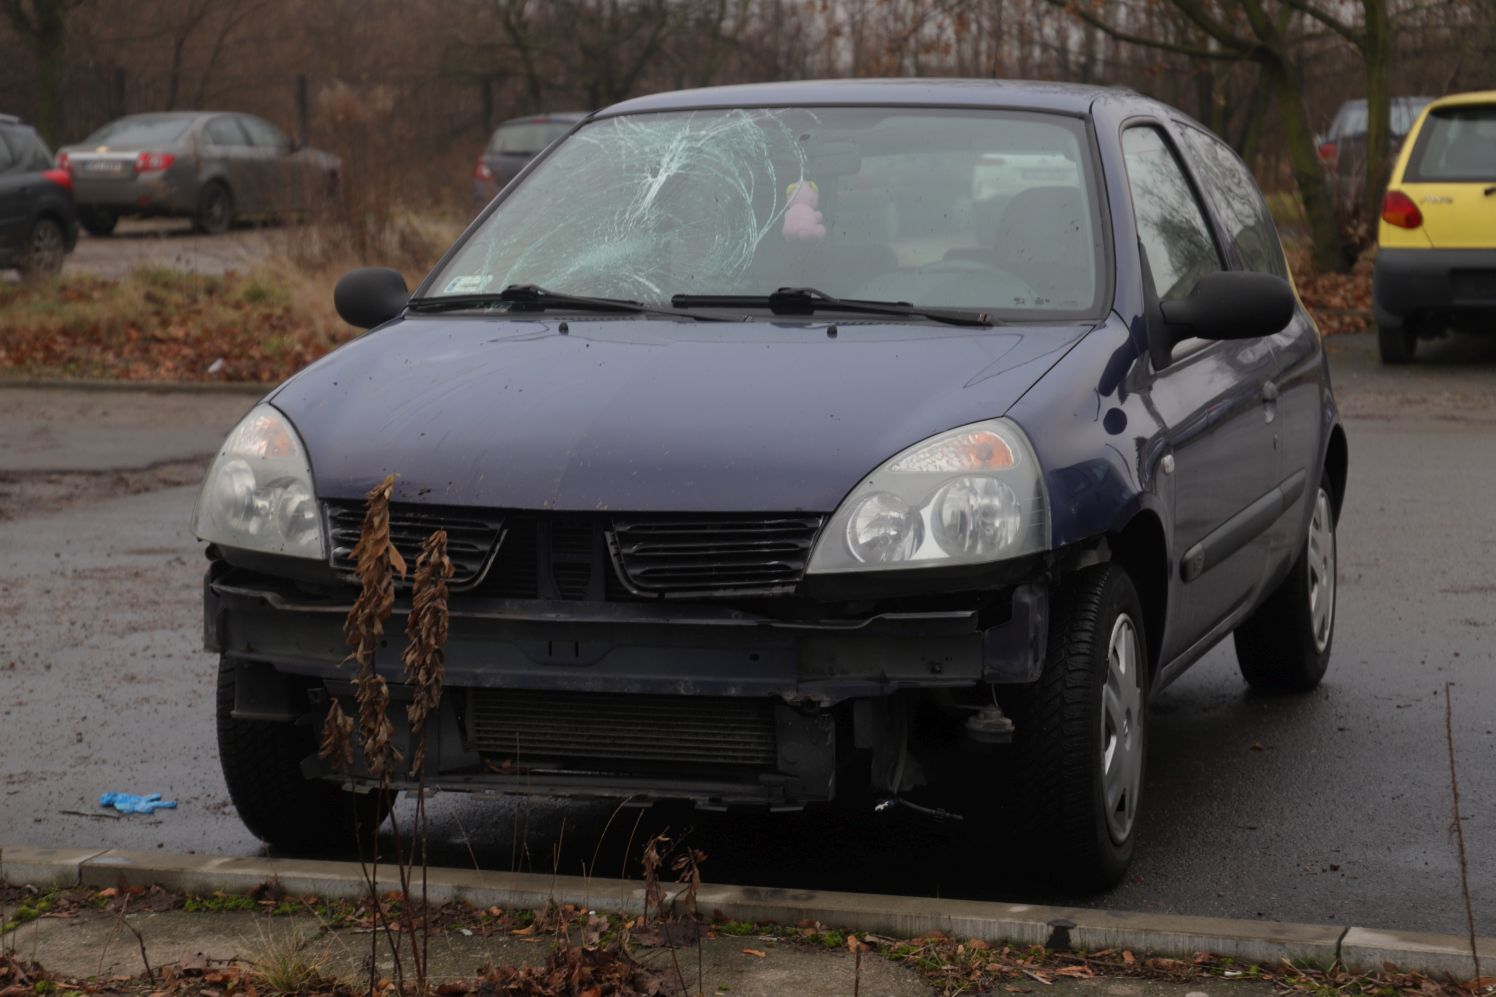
[
  {"x": 22, "y": 151},
  {"x": 1238, "y": 203},
  {"x": 225, "y": 131},
  {"x": 1456, "y": 144},
  {"x": 1171, "y": 225},
  {"x": 263, "y": 133},
  {"x": 527, "y": 138}
]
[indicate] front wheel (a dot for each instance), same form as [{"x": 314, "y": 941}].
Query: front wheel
[
  {"x": 1080, "y": 735},
  {"x": 1285, "y": 645},
  {"x": 45, "y": 249},
  {"x": 262, "y": 767}
]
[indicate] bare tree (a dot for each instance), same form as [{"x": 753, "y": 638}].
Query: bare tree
[
  {"x": 1254, "y": 31},
  {"x": 1372, "y": 39},
  {"x": 43, "y": 25}
]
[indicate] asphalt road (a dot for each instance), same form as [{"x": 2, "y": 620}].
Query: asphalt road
[{"x": 1330, "y": 807}]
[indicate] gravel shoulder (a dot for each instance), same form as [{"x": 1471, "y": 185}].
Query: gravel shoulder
[{"x": 171, "y": 243}]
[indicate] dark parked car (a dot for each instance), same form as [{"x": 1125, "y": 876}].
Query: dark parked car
[
  {"x": 513, "y": 144},
  {"x": 797, "y": 441},
  {"x": 209, "y": 166},
  {"x": 38, "y": 223},
  {"x": 1342, "y": 149}
]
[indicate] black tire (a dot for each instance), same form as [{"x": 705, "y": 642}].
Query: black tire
[
  {"x": 262, "y": 767},
  {"x": 1059, "y": 761},
  {"x": 46, "y": 246},
  {"x": 1397, "y": 342},
  {"x": 1285, "y": 645},
  {"x": 215, "y": 209},
  {"x": 98, "y": 221}
]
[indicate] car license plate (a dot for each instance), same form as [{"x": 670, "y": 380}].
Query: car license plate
[
  {"x": 105, "y": 167},
  {"x": 1474, "y": 285}
]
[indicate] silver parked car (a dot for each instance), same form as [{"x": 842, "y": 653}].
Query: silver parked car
[
  {"x": 212, "y": 167},
  {"x": 513, "y": 144}
]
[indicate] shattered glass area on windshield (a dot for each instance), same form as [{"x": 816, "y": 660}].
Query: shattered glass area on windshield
[
  {"x": 643, "y": 207},
  {"x": 937, "y": 207}
]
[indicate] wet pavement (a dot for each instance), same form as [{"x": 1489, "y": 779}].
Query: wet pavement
[{"x": 1331, "y": 807}]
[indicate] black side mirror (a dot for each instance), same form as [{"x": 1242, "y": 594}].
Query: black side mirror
[
  {"x": 1231, "y": 304},
  {"x": 370, "y": 296}
]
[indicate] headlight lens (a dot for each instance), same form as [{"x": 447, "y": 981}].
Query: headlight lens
[
  {"x": 258, "y": 493},
  {"x": 970, "y": 495},
  {"x": 883, "y": 529}
]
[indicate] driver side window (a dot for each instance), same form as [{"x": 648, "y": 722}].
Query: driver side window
[{"x": 1175, "y": 237}]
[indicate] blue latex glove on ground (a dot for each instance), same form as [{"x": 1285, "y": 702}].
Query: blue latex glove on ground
[{"x": 129, "y": 803}]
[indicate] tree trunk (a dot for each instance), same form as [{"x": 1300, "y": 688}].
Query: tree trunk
[
  {"x": 1377, "y": 54},
  {"x": 43, "y": 28},
  {"x": 1308, "y": 174}
]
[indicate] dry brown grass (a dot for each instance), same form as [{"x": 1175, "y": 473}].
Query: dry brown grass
[{"x": 164, "y": 324}]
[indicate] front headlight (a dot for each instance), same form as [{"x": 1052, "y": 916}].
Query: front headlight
[
  {"x": 258, "y": 493},
  {"x": 967, "y": 496}
]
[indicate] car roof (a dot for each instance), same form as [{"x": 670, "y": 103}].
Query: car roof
[
  {"x": 1472, "y": 97},
  {"x": 1071, "y": 98},
  {"x": 546, "y": 117}
]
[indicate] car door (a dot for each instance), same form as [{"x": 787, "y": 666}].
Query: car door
[
  {"x": 1293, "y": 402},
  {"x": 15, "y": 200},
  {"x": 1209, "y": 396},
  {"x": 226, "y": 154},
  {"x": 275, "y": 171}
]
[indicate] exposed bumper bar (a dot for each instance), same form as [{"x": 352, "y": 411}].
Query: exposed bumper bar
[{"x": 652, "y": 648}]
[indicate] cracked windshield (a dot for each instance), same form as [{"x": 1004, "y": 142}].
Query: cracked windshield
[{"x": 973, "y": 209}]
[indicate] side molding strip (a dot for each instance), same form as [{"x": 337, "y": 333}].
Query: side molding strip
[{"x": 1238, "y": 531}]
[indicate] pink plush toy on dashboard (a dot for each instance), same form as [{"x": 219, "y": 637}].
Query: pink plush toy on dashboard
[{"x": 801, "y": 219}]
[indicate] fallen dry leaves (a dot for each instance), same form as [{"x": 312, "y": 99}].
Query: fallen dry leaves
[
  {"x": 1339, "y": 302},
  {"x": 166, "y": 325}
]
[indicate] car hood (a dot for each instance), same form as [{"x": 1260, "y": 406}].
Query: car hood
[{"x": 646, "y": 415}]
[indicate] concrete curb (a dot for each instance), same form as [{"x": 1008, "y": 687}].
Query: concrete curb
[
  {"x": 1266, "y": 942},
  {"x": 146, "y": 387}
]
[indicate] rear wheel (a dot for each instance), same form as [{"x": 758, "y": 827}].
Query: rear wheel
[
  {"x": 262, "y": 767},
  {"x": 45, "y": 249},
  {"x": 98, "y": 221},
  {"x": 1080, "y": 735},
  {"x": 1397, "y": 343},
  {"x": 1285, "y": 645},
  {"x": 215, "y": 210}
]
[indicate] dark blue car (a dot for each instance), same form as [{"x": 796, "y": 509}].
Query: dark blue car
[{"x": 802, "y": 440}]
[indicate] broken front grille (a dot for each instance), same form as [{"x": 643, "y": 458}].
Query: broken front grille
[
  {"x": 597, "y": 556},
  {"x": 472, "y": 536},
  {"x": 668, "y": 555},
  {"x": 534, "y": 727}
]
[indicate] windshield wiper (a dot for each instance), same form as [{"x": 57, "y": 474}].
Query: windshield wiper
[
  {"x": 533, "y": 298},
  {"x": 808, "y": 301}
]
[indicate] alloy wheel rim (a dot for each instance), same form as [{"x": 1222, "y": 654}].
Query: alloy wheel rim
[
  {"x": 1321, "y": 567},
  {"x": 46, "y": 247},
  {"x": 1121, "y": 729}
]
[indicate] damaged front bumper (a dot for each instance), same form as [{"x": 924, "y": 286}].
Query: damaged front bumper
[{"x": 644, "y": 700}]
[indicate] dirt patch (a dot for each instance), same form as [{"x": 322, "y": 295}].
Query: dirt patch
[{"x": 23, "y": 495}]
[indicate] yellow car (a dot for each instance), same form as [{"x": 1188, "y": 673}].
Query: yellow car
[{"x": 1436, "y": 265}]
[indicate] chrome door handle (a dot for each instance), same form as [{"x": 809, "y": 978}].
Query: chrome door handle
[{"x": 1269, "y": 392}]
